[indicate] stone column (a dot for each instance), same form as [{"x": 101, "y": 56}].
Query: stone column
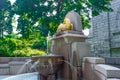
[{"x": 73, "y": 48}]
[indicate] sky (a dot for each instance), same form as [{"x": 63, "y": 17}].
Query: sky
[
  {"x": 12, "y": 1},
  {"x": 86, "y": 31}
]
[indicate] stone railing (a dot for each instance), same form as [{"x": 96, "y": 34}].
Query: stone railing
[
  {"x": 94, "y": 68},
  {"x": 12, "y": 65}
]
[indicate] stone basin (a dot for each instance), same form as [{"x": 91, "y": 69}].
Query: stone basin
[{"x": 48, "y": 65}]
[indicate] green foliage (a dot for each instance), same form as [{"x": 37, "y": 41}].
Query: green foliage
[
  {"x": 28, "y": 52},
  {"x": 7, "y": 46},
  {"x": 99, "y": 6},
  {"x": 12, "y": 35},
  {"x": 16, "y": 47},
  {"x": 5, "y": 17},
  {"x": 50, "y": 13},
  {"x": 40, "y": 44},
  {"x": 19, "y": 44}
]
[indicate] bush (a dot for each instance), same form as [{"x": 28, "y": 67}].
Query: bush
[
  {"x": 28, "y": 52},
  {"x": 22, "y": 47},
  {"x": 40, "y": 44},
  {"x": 18, "y": 43},
  {"x": 7, "y": 46}
]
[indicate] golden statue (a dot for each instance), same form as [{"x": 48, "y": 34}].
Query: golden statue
[{"x": 66, "y": 25}]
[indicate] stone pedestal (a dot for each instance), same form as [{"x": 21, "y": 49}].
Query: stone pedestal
[
  {"x": 89, "y": 64},
  {"x": 73, "y": 48}
]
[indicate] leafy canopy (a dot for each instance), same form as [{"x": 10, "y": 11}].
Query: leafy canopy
[
  {"x": 47, "y": 14},
  {"x": 42, "y": 16}
]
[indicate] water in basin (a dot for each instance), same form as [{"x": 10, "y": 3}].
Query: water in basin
[{"x": 27, "y": 76}]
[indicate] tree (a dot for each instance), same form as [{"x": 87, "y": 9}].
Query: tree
[
  {"x": 5, "y": 17},
  {"x": 45, "y": 15},
  {"x": 86, "y": 8}
]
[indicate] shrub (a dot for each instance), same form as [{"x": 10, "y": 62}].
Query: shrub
[
  {"x": 19, "y": 47},
  {"x": 19, "y": 43},
  {"x": 7, "y": 46},
  {"x": 40, "y": 44},
  {"x": 28, "y": 52}
]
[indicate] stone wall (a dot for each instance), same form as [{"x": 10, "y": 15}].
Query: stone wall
[
  {"x": 105, "y": 32},
  {"x": 13, "y": 65}
]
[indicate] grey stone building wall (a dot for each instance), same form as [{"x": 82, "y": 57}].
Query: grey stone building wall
[{"x": 104, "y": 35}]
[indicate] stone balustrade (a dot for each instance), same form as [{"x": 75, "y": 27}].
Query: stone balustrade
[
  {"x": 104, "y": 72},
  {"x": 11, "y": 65},
  {"x": 94, "y": 68}
]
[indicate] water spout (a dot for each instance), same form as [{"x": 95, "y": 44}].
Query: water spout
[
  {"x": 34, "y": 66},
  {"x": 48, "y": 39},
  {"x": 23, "y": 66}
]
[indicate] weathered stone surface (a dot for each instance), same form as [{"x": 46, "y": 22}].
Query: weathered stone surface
[
  {"x": 4, "y": 65},
  {"x": 15, "y": 66},
  {"x": 69, "y": 45},
  {"x": 113, "y": 79},
  {"x": 89, "y": 66},
  {"x": 99, "y": 76},
  {"x": 93, "y": 60},
  {"x": 11, "y": 65},
  {"x": 4, "y": 60},
  {"x": 4, "y": 71},
  {"x": 114, "y": 61},
  {"x": 88, "y": 71},
  {"x": 105, "y": 32},
  {"x": 75, "y": 20},
  {"x": 78, "y": 52},
  {"x": 107, "y": 71}
]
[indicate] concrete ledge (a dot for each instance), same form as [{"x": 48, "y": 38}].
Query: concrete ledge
[
  {"x": 113, "y": 79},
  {"x": 4, "y": 60},
  {"x": 4, "y": 69},
  {"x": 94, "y": 60},
  {"x": 108, "y": 71},
  {"x": 16, "y": 62},
  {"x": 4, "y": 66},
  {"x": 112, "y": 60},
  {"x": 11, "y": 65}
]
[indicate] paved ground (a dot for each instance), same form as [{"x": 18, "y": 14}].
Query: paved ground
[{"x": 3, "y": 76}]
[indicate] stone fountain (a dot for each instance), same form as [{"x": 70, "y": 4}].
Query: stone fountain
[{"x": 68, "y": 43}]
